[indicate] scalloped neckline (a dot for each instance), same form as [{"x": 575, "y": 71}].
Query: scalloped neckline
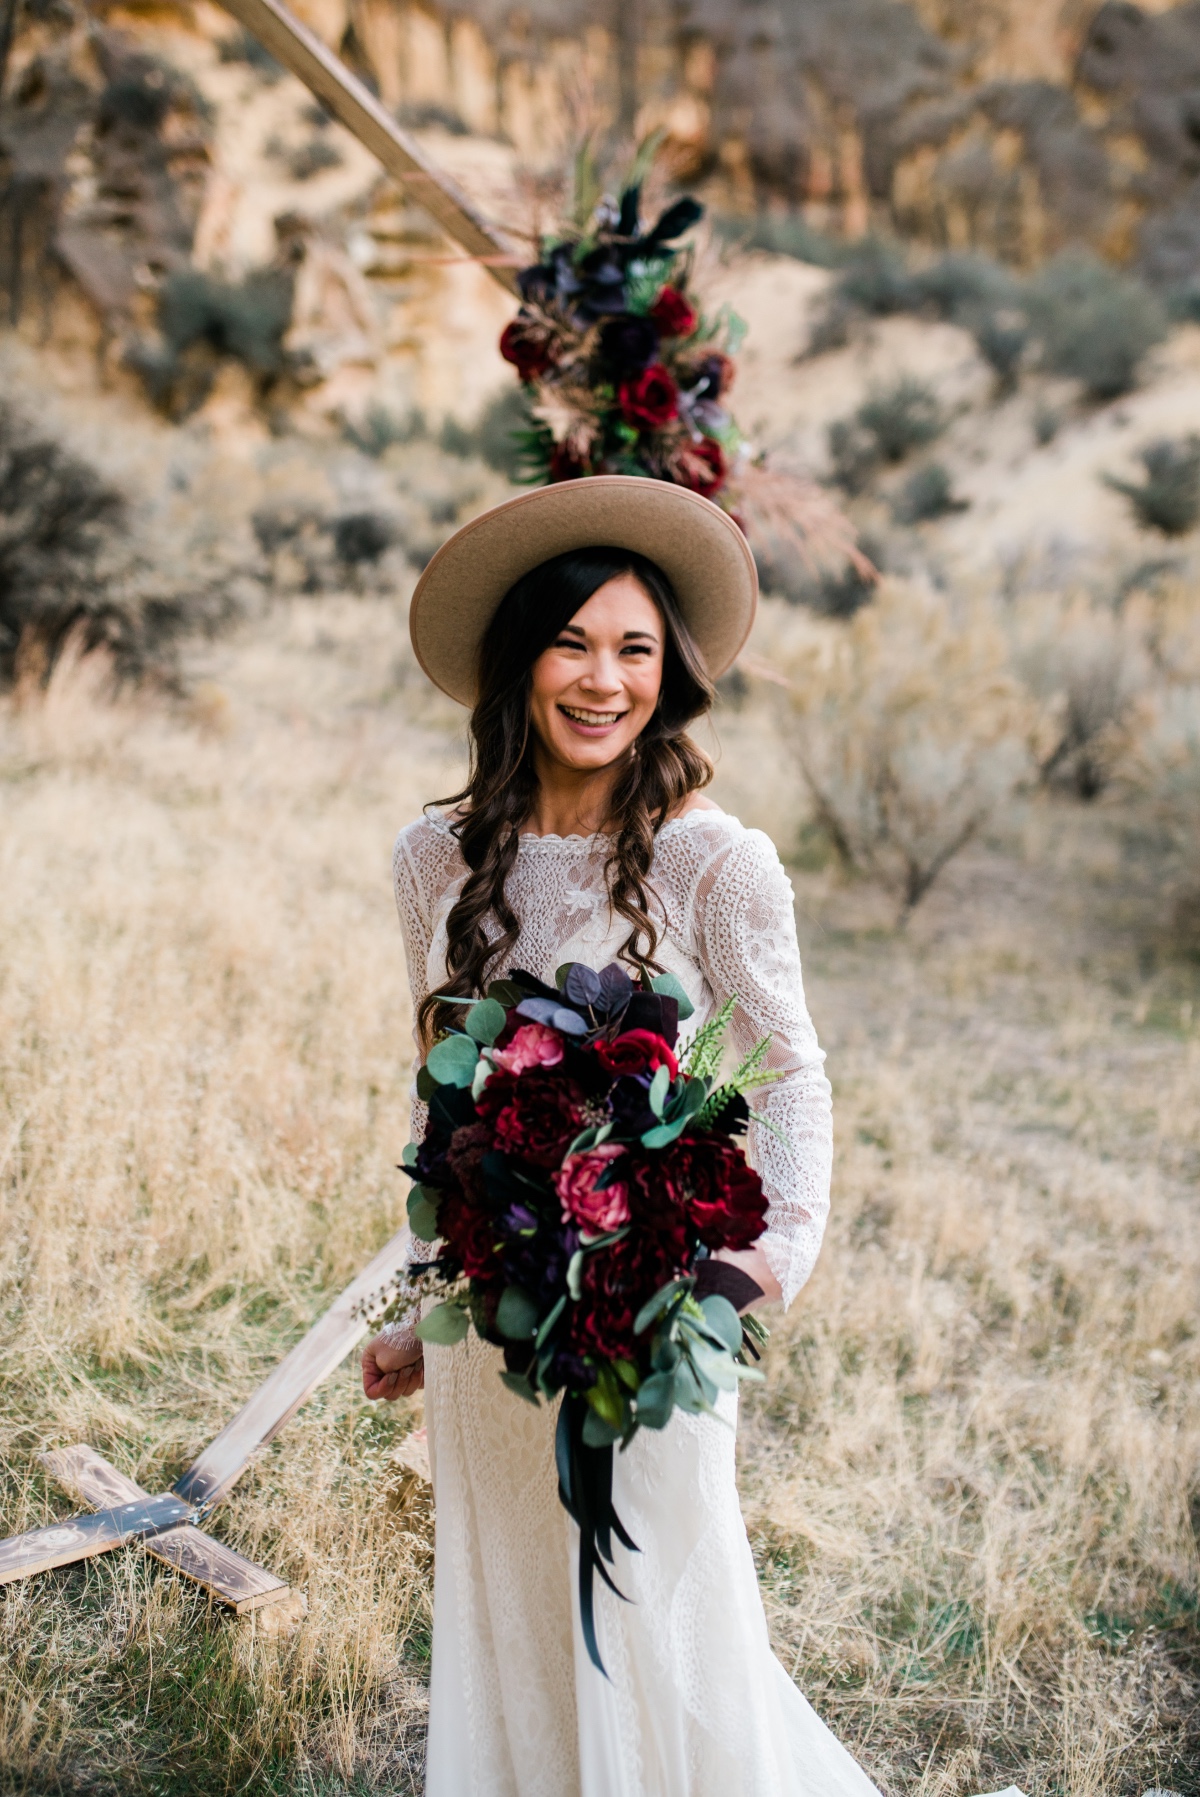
[{"x": 530, "y": 837}]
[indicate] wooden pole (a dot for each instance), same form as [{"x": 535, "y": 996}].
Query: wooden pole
[{"x": 355, "y": 106}]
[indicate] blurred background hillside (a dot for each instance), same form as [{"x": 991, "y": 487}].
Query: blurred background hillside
[{"x": 246, "y": 390}]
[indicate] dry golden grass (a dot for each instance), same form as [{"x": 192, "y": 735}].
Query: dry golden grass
[{"x": 968, "y": 1478}]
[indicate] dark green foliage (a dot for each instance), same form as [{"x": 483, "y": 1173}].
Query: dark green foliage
[
  {"x": 245, "y": 320},
  {"x": 875, "y": 279},
  {"x": 1094, "y": 325},
  {"x": 56, "y": 515},
  {"x": 503, "y": 431},
  {"x": 313, "y": 157},
  {"x": 1046, "y": 425},
  {"x": 1001, "y": 339},
  {"x": 243, "y": 46},
  {"x": 902, "y": 417},
  {"x": 360, "y": 537},
  {"x": 1168, "y": 499},
  {"x": 430, "y": 114},
  {"x": 455, "y": 439},
  {"x": 928, "y": 493},
  {"x": 786, "y": 235},
  {"x": 202, "y": 319},
  {"x": 378, "y": 429},
  {"x": 963, "y": 288},
  {"x": 836, "y": 592},
  {"x": 888, "y": 425}
]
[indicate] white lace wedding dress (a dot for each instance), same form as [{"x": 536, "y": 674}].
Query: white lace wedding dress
[{"x": 696, "y": 1704}]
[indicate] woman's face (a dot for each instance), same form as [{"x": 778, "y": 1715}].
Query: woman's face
[{"x": 595, "y": 688}]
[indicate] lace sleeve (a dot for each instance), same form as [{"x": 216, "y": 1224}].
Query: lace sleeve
[
  {"x": 416, "y": 927},
  {"x": 746, "y": 939}
]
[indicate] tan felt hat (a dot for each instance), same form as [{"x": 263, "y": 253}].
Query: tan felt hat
[{"x": 699, "y": 548}]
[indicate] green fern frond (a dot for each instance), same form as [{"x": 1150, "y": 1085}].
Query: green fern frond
[{"x": 705, "y": 1057}]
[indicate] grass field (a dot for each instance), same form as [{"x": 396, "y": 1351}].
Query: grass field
[{"x": 973, "y": 1478}]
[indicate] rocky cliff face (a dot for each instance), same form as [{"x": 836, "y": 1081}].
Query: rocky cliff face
[{"x": 1016, "y": 126}]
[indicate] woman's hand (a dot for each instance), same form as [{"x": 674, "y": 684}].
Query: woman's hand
[
  {"x": 393, "y": 1365},
  {"x": 754, "y": 1262}
]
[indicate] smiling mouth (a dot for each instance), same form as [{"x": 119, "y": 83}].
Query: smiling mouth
[{"x": 593, "y": 720}]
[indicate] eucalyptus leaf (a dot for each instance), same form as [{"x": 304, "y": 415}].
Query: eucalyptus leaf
[
  {"x": 664, "y": 1133},
  {"x": 483, "y": 1073},
  {"x": 409, "y": 1156},
  {"x": 669, "y": 986},
  {"x": 444, "y": 1326},
  {"x": 714, "y": 1364},
  {"x": 426, "y": 1084},
  {"x": 569, "y": 1022},
  {"x": 580, "y": 984},
  {"x": 516, "y": 1314},
  {"x": 575, "y": 1274},
  {"x": 519, "y": 1382},
  {"x": 505, "y": 992},
  {"x": 654, "y": 1307},
  {"x": 723, "y": 1320},
  {"x": 485, "y": 1020},
  {"x": 656, "y": 1400},
  {"x": 585, "y": 1139},
  {"x": 598, "y": 1432},
  {"x": 657, "y": 1096},
  {"x": 453, "y": 1060},
  {"x": 422, "y": 1214}
]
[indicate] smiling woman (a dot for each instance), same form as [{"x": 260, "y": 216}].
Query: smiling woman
[{"x": 587, "y": 624}]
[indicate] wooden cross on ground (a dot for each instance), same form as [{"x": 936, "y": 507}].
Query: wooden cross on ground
[{"x": 166, "y": 1525}]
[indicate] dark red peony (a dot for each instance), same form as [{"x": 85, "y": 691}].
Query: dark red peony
[
  {"x": 470, "y": 1231},
  {"x": 718, "y": 1188},
  {"x": 535, "y": 1116},
  {"x": 701, "y": 466},
  {"x": 565, "y": 465},
  {"x": 637, "y": 1051},
  {"x": 674, "y": 315},
  {"x": 528, "y": 346},
  {"x": 651, "y": 400}
]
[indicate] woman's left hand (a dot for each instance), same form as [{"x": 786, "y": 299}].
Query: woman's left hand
[{"x": 393, "y": 1365}]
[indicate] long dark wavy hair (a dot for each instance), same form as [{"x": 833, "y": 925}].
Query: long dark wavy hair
[{"x": 662, "y": 768}]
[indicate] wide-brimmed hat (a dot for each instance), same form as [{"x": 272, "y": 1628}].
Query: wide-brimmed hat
[{"x": 699, "y": 548}]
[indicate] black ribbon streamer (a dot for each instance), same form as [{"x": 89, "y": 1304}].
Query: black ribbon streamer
[{"x": 585, "y": 1492}]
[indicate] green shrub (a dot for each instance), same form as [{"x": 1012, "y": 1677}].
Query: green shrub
[
  {"x": 1002, "y": 339},
  {"x": 56, "y": 515},
  {"x": 1168, "y": 499},
  {"x": 246, "y": 320},
  {"x": 1093, "y": 324},
  {"x": 243, "y": 46},
  {"x": 929, "y": 493},
  {"x": 313, "y": 158},
  {"x": 362, "y": 537},
  {"x": 502, "y": 434},
  {"x": 854, "y": 454},
  {"x": 901, "y": 417},
  {"x": 964, "y": 287},
  {"x": 378, "y": 429}
]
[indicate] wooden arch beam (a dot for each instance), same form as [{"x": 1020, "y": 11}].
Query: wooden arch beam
[{"x": 354, "y": 105}]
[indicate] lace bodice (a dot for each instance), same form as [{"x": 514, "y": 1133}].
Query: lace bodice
[{"x": 725, "y": 911}]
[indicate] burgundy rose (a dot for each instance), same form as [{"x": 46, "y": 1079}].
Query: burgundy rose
[
  {"x": 651, "y": 400},
  {"x": 637, "y": 1051},
  {"x": 674, "y": 315},
  {"x": 701, "y": 466},
  {"x": 717, "y": 1188},
  {"x": 527, "y": 346},
  {"x": 534, "y": 1115}
]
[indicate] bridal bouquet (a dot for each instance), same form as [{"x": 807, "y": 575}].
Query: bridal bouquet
[{"x": 577, "y": 1178}]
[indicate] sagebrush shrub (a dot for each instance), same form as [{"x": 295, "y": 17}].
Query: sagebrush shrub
[
  {"x": 901, "y": 417},
  {"x": 1085, "y": 665},
  {"x": 928, "y": 493},
  {"x": 909, "y": 731},
  {"x": 1094, "y": 324},
  {"x": 56, "y": 514},
  {"x": 1168, "y": 499}
]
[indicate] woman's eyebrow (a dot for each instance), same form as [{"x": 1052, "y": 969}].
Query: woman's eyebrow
[{"x": 648, "y": 634}]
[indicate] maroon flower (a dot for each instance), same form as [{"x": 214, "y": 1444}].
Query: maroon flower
[
  {"x": 637, "y": 1051},
  {"x": 469, "y": 1231},
  {"x": 627, "y": 343},
  {"x": 535, "y": 1116},
  {"x": 674, "y": 315},
  {"x": 718, "y": 1188},
  {"x": 714, "y": 375},
  {"x": 651, "y": 400},
  {"x": 565, "y": 465},
  {"x": 701, "y": 466},
  {"x": 527, "y": 346}
]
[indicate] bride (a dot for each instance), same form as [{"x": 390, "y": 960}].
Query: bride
[{"x": 585, "y": 624}]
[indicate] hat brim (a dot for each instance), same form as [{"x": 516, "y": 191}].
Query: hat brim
[{"x": 699, "y": 548}]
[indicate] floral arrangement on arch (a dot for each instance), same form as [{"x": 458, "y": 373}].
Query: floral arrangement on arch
[{"x": 624, "y": 372}]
